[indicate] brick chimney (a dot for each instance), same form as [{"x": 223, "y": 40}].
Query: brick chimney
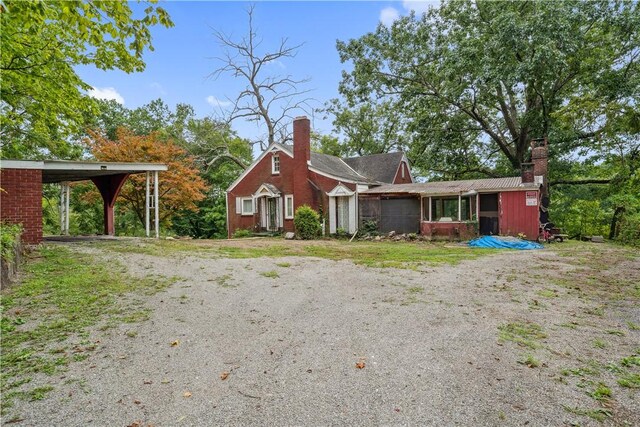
[
  {"x": 302, "y": 139},
  {"x": 540, "y": 160},
  {"x": 302, "y": 193},
  {"x": 527, "y": 172}
]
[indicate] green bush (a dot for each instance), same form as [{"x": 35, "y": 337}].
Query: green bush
[
  {"x": 369, "y": 228},
  {"x": 307, "y": 222},
  {"x": 629, "y": 230},
  {"x": 241, "y": 232},
  {"x": 9, "y": 234}
]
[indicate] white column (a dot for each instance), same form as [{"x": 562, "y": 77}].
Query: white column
[
  {"x": 62, "y": 205},
  {"x": 430, "y": 209},
  {"x": 156, "y": 203},
  {"x": 459, "y": 207},
  {"x": 67, "y": 188},
  {"x": 146, "y": 206}
]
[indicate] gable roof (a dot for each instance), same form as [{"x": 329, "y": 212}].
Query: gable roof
[
  {"x": 371, "y": 169},
  {"x": 455, "y": 187},
  {"x": 378, "y": 167}
]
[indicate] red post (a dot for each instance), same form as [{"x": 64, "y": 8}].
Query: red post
[{"x": 109, "y": 187}]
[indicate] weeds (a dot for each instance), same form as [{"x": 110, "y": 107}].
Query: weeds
[
  {"x": 62, "y": 295},
  {"x": 524, "y": 334}
]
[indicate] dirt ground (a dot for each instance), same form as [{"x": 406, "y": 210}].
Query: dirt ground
[{"x": 530, "y": 338}]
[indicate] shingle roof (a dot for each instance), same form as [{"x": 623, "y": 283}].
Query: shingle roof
[
  {"x": 379, "y": 167},
  {"x": 455, "y": 187},
  {"x": 373, "y": 169}
]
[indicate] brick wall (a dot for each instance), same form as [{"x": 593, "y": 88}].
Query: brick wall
[{"x": 21, "y": 201}]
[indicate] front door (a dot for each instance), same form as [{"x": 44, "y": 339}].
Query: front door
[
  {"x": 488, "y": 214},
  {"x": 272, "y": 213}
]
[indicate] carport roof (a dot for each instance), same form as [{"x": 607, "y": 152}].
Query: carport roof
[
  {"x": 455, "y": 187},
  {"x": 54, "y": 171}
]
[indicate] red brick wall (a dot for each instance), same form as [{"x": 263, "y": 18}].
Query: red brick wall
[{"x": 21, "y": 201}]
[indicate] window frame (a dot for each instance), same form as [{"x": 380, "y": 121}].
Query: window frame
[
  {"x": 275, "y": 164},
  {"x": 242, "y": 211},
  {"x": 288, "y": 197}
]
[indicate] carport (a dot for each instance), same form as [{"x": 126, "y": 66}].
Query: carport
[{"x": 21, "y": 196}]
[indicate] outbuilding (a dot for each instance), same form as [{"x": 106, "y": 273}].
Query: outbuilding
[{"x": 21, "y": 190}]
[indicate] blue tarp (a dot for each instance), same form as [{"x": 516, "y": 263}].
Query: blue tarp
[{"x": 503, "y": 243}]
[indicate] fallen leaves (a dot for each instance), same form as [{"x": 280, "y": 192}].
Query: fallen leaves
[
  {"x": 224, "y": 375},
  {"x": 360, "y": 364},
  {"x": 187, "y": 394},
  {"x": 175, "y": 343}
]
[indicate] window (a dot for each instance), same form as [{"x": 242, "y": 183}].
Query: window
[
  {"x": 247, "y": 206},
  {"x": 342, "y": 212},
  {"x": 288, "y": 206},
  {"x": 402, "y": 167},
  {"x": 447, "y": 208},
  {"x": 275, "y": 164}
]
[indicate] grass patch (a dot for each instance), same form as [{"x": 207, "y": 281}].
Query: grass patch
[
  {"x": 601, "y": 392},
  {"x": 224, "y": 281},
  {"x": 598, "y": 414},
  {"x": 283, "y": 264},
  {"x": 530, "y": 361},
  {"x": 524, "y": 334},
  {"x": 547, "y": 293},
  {"x": 629, "y": 380},
  {"x": 409, "y": 255},
  {"x": 598, "y": 343},
  {"x": 272, "y": 274},
  {"x": 63, "y": 294}
]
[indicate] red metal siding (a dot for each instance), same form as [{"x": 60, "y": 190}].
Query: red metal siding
[
  {"x": 21, "y": 201},
  {"x": 515, "y": 216},
  {"x": 407, "y": 175}
]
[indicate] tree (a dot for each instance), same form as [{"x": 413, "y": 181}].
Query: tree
[
  {"x": 180, "y": 187},
  {"x": 43, "y": 100},
  {"x": 475, "y": 81},
  {"x": 264, "y": 93}
]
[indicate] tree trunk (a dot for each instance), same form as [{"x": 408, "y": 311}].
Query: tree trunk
[{"x": 613, "y": 231}]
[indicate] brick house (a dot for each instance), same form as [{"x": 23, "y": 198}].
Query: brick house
[{"x": 284, "y": 177}]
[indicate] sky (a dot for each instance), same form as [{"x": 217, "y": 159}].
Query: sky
[{"x": 179, "y": 68}]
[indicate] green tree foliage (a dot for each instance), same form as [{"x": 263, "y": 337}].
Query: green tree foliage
[
  {"x": 307, "y": 223},
  {"x": 43, "y": 100},
  {"x": 219, "y": 154},
  {"x": 469, "y": 84}
]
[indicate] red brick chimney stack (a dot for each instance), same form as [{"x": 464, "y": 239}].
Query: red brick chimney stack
[
  {"x": 301, "y": 155},
  {"x": 302, "y": 139},
  {"x": 540, "y": 160}
]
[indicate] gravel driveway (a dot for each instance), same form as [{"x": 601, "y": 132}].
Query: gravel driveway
[{"x": 307, "y": 341}]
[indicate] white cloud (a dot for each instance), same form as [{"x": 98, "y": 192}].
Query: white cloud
[
  {"x": 158, "y": 87},
  {"x": 106, "y": 93},
  {"x": 215, "y": 102},
  {"x": 388, "y": 15},
  {"x": 418, "y": 6}
]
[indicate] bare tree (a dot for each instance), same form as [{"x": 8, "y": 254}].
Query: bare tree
[{"x": 270, "y": 99}]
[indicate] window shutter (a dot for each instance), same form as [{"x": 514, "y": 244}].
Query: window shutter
[{"x": 238, "y": 205}]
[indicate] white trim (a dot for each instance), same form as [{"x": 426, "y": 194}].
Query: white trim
[
  {"x": 243, "y": 212},
  {"x": 340, "y": 191},
  {"x": 264, "y": 191},
  {"x": 21, "y": 164},
  {"x": 82, "y": 166},
  {"x": 275, "y": 157},
  {"x": 288, "y": 197},
  {"x": 332, "y": 215},
  {"x": 269, "y": 150}
]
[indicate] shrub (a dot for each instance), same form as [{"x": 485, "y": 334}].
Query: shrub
[
  {"x": 9, "y": 234},
  {"x": 341, "y": 233},
  {"x": 629, "y": 230},
  {"x": 307, "y": 222},
  {"x": 369, "y": 228},
  {"x": 241, "y": 232}
]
